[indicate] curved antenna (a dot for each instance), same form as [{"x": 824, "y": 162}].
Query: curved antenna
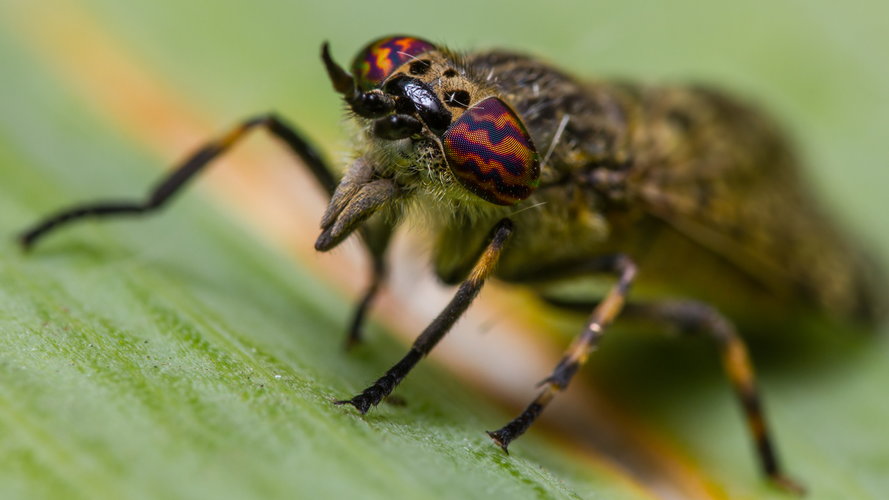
[
  {"x": 370, "y": 104},
  {"x": 342, "y": 81}
]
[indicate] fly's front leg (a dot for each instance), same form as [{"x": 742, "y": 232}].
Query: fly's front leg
[
  {"x": 440, "y": 325},
  {"x": 584, "y": 344},
  {"x": 172, "y": 183},
  {"x": 376, "y": 237}
]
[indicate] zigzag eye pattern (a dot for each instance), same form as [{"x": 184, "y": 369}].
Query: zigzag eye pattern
[
  {"x": 491, "y": 153},
  {"x": 381, "y": 57}
]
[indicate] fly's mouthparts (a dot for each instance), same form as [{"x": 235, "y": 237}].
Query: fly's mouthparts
[{"x": 359, "y": 195}]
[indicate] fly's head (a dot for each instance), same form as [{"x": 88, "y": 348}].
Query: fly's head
[{"x": 432, "y": 133}]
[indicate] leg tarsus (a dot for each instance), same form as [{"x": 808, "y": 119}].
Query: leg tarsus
[
  {"x": 500, "y": 439},
  {"x": 28, "y": 238},
  {"x": 788, "y": 484},
  {"x": 384, "y": 385},
  {"x": 516, "y": 427}
]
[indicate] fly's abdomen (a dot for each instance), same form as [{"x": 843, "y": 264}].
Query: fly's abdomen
[{"x": 721, "y": 173}]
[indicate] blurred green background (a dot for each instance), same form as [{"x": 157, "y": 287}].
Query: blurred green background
[{"x": 176, "y": 360}]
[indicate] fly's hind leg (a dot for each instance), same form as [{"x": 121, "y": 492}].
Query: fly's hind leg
[
  {"x": 376, "y": 237},
  {"x": 693, "y": 317}
]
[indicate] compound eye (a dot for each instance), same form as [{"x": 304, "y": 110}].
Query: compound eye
[
  {"x": 380, "y": 58},
  {"x": 491, "y": 153}
]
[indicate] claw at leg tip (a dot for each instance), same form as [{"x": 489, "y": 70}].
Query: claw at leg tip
[
  {"x": 24, "y": 243},
  {"x": 342, "y": 402},
  {"x": 499, "y": 442},
  {"x": 361, "y": 408},
  {"x": 789, "y": 485},
  {"x": 351, "y": 342}
]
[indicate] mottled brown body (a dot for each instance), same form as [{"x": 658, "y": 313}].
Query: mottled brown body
[{"x": 703, "y": 192}]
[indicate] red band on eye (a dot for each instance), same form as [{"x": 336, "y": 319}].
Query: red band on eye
[
  {"x": 380, "y": 58},
  {"x": 490, "y": 152}
]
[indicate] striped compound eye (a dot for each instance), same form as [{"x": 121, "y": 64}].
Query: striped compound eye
[
  {"x": 491, "y": 153},
  {"x": 381, "y": 57}
]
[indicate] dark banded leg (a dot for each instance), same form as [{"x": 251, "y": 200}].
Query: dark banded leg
[
  {"x": 440, "y": 325},
  {"x": 376, "y": 237},
  {"x": 172, "y": 183},
  {"x": 694, "y": 317},
  {"x": 603, "y": 314},
  {"x": 699, "y": 318}
]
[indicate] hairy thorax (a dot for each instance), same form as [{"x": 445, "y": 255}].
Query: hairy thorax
[{"x": 670, "y": 176}]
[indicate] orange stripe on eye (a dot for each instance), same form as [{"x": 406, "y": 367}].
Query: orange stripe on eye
[
  {"x": 380, "y": 58},
  {"x": 383, "y": 62},
  {"x": 405, "y": 44},
  {"x": 501, "y": 120}
]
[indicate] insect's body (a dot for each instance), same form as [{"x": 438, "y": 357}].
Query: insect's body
[
  {"x": 700, "y": 190},
  {"x": 517, "y": 170}
]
